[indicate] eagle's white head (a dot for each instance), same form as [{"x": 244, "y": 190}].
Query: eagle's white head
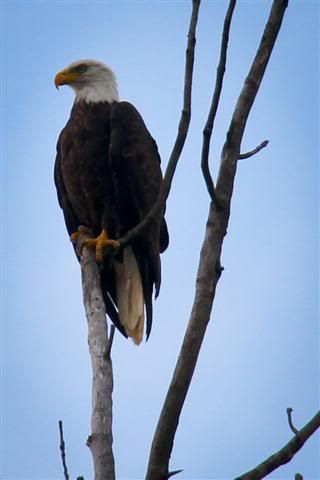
[{"x": 91, "y": 80}]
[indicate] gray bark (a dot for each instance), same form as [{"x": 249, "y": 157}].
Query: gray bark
[{"x": 100, "y": 440}]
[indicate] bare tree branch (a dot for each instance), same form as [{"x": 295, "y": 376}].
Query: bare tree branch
[
  {"x": 63, "y": 452},
  {"x": 289, "y": 413},
  {"x": 207, "y": 132},
  {"x": 100, "y": 440},
  {"x": 262, "y": 145},
  {"x": 231, "y": 149},
  {"x": 181, "y": 136},
  {"x": 285, "y": 454},
  {"x": 208, "y": 275}
]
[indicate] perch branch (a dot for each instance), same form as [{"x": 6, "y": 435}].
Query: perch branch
[
  {"x": 181, "y": 136},
  {"x": 100, "y": 439},
  {"x": 207, "y": 132},
  {"x": 285, "y": 454},
  {"x": 293, "y": 428},
  {"x": 208, "y": 275},
  {"x": 262, "y": 145},
  {"x": 63, "y": 452}
]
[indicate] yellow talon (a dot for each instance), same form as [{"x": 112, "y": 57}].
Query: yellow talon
[
  {"x": 74, "y": 237},
  {"x": 100, "y": 243}
]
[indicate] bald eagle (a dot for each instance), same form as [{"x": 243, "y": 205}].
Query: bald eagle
[{"x": 107, "y": 174}]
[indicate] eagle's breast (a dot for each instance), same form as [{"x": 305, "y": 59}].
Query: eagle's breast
[{"x": 85, "y": 167}]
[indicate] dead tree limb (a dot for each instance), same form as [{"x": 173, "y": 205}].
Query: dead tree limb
[
  {"x": 208, "y": 275},
  {"x": 100, "y": 439},
  {"x": 181, "y": 136},
  {"x": 63, "y": 452},
  {"x": 262, "y": 145},
  {"x": 207, "y": 132},
  {"x": 285, "y": 454},
  {"x": 292, "y": 427}
]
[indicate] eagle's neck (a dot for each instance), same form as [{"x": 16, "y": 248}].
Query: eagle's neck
[{"x": 100, "y": 90}]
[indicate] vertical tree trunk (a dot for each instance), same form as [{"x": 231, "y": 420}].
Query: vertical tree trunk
[{"x": 100, "y": 440}]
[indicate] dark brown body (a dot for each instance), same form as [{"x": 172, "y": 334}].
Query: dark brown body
[{"x": 108, "y": 176}]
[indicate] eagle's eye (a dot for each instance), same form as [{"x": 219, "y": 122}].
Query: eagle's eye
[{"x": 81, "y": 68}]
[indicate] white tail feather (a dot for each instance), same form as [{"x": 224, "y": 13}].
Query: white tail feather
[{"x": 130, "y": 296}]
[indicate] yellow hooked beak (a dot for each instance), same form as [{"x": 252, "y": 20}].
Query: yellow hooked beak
[{"x": 65, "y": 77}]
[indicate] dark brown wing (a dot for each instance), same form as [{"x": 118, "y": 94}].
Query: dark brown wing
[
  {"x": 135, "y": 163},
  {"x": 74, "y": 147},
  {"x": 71, "y": 219}
]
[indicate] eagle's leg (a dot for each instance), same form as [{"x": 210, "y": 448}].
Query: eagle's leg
[{"x": 100, "y": 243}]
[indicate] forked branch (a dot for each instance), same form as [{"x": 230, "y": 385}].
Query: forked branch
[
  {"x": 208, "y": 275},
  {"x": 285, "y": 454}
]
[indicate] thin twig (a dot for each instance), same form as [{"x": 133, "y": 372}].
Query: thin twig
[
  {"x": 63, "y": 452},
  {"x": 262, "y": 145},
  {"x": 207, "y": 132},
  {"x": 285, "y": 454},
  {"x": 174, "y": 472},
  {"x": 293, "y": 428},
  {"x": 181, "y": 136}
]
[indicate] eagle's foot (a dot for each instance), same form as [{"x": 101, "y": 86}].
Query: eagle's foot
[
  {"x": 74, "y": 237},
  {"x": 100, "y": 243}
]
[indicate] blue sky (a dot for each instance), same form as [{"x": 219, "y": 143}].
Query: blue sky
[{"x": 261, "y": 352}]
